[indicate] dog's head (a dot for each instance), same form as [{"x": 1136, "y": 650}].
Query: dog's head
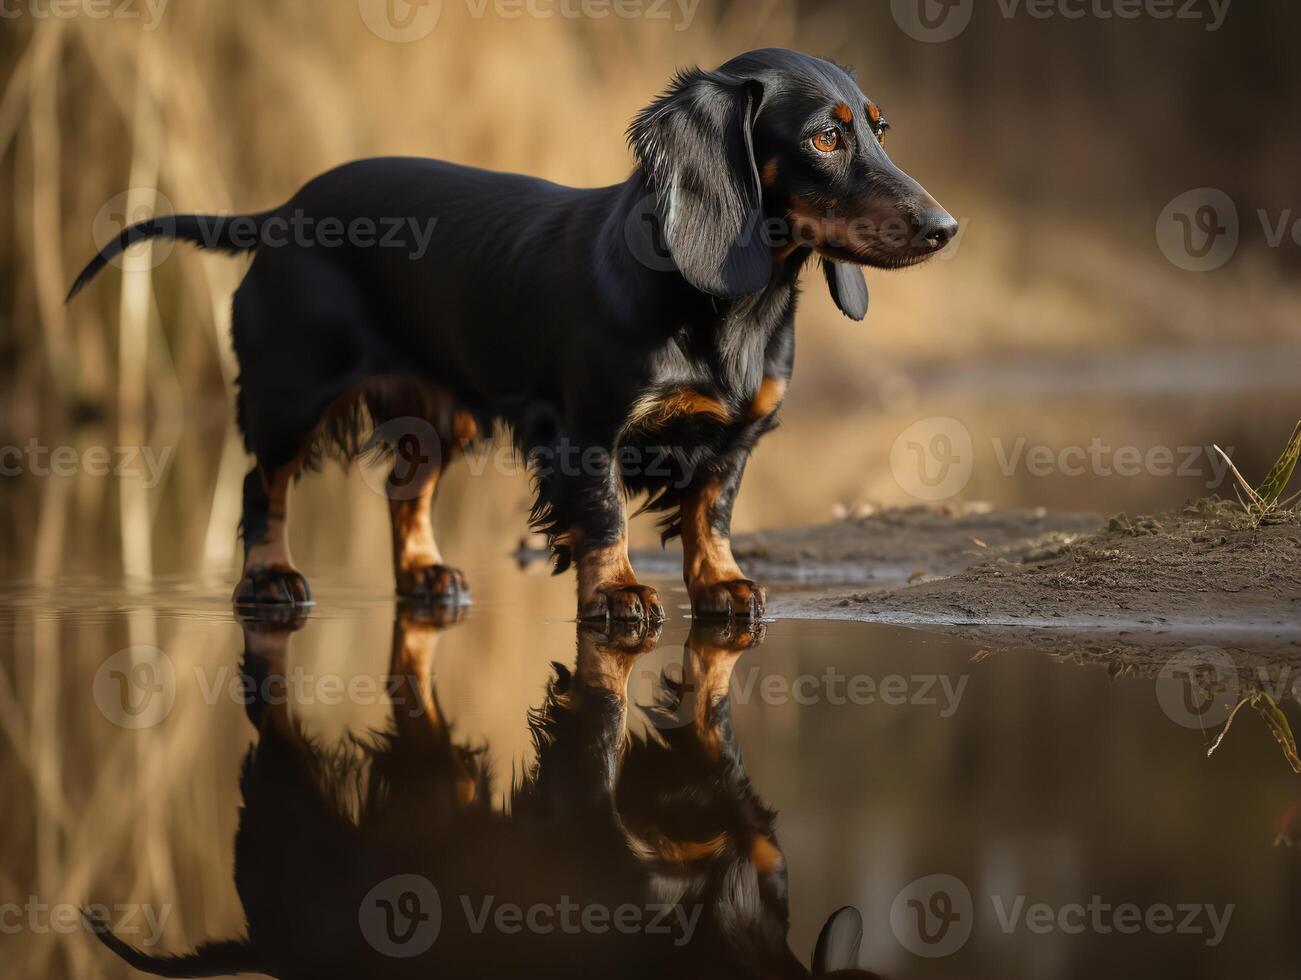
[{"x": 772, "y": 153}]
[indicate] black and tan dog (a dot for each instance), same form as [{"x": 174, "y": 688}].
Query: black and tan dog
[
  {"x": 393, "y": 861},
  {"x": 632, "y": 339}
]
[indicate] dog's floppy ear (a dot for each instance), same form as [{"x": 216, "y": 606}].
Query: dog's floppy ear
[
  {"x": 695, "y": 143},
  {"x": 848, "y": 287}
]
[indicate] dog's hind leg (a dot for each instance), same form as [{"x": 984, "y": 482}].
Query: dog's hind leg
[
  {"x": 418, "y": 567},
  {"x": 269, "y": 574}
]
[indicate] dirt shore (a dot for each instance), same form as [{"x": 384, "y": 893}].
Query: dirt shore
[
  {"x": 1073, "y": 584},
  {"x": 1198, "y": 575}
]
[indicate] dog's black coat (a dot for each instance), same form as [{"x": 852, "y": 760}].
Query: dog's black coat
[{"x": 556, "y": 311}]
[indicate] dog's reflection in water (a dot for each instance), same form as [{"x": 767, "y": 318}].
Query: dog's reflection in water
[{"x": 618, "y": 855}]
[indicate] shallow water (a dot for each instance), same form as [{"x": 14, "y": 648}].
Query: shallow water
[{"x": 1045, "y": 794}]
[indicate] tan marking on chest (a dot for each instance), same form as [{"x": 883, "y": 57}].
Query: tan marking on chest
[
  {"x": 765, "y": 855},
  {"x": 657, "y": 411},
  {"x": 767, "y": 398},
  {"x": 688, "y": 851}
]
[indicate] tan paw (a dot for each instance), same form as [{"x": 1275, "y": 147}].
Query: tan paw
[
  {"x": 433, "y": 583},
  {"x": 623, "y": 603},
  {"x": 740, "y": 598}
]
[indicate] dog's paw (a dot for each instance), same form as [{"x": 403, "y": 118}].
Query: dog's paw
[
  {"x": 740, "y": 599},
  {"x": 726, "y": 635},
  {"x": 632, "y": 637},
  {"x": 272, "y": 586},
  {"x": 414, "y": 614},
  {"x": 271, "y": 619},
  {"x": 623, "y": 603},
  {"x": 433, "y": 583}
]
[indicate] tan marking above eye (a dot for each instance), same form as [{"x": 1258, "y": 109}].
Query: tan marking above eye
[
  {"x": 879, "y": 125},
  {"x": 843, "y": 113},
  {"x": 827, "y": 141}
]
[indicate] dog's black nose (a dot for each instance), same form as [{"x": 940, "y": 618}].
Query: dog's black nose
[{"x": 938, "y": 228}]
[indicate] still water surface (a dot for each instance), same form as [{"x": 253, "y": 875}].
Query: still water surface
[{"x": 990, "y": 814}]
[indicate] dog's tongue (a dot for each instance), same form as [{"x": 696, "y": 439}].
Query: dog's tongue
[{"x": 848, "y": 288}]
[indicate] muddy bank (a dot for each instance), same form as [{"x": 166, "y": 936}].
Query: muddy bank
[
  {"x": 1075, "y": 585},
  {"x": 888, "y": 547}
]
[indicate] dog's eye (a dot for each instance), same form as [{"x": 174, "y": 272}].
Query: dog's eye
[
  {"x": 879, "y": 130},
  {"x": 827, "y": 141}
]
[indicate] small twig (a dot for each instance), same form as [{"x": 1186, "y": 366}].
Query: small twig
[
  {"x": 1255, "y": 497},
  {"x": 1225, "y": 730}
]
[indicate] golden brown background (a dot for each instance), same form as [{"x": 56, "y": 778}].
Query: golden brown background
[
  {"x": 1056, "y": 318},
  {"x": 1057, "y": 142}
]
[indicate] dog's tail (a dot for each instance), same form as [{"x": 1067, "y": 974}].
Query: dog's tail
[
  {"x": 221, "y": 959},
  {"x": 228, "y": 233}
]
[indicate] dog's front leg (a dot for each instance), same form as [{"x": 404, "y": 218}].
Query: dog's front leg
[
  {"x": 716, "y": 584},
  {"x": 598, "y": 541}
]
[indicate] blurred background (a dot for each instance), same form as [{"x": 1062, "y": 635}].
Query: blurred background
[
  {"x": 1070, "y": 312},
  {"x": 1057, "y": 319}
]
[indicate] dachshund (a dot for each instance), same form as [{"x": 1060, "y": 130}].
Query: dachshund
[{"x": 631, "y": 340}]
